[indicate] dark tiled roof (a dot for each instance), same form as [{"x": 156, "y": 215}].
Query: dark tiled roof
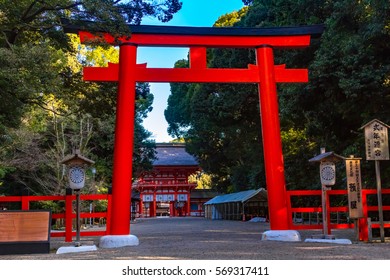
[{"x": 173, "y": 154}]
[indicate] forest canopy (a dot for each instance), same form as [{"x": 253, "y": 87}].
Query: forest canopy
[{"x": 46, "y": 110}]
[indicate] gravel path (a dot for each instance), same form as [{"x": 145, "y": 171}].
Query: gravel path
[{"x": 198, "y": 238}]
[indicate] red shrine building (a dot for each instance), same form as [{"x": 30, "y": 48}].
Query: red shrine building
[{"x": 166, "y": 190}]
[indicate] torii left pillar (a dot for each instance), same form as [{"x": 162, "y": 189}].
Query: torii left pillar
[{"x": 123, "y": 152}]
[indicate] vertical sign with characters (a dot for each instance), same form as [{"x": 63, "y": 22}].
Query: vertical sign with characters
[
  {"x": 354, "y": 187},
  {"x": 377, "y": 143},
  {"x": 377, "y": 149}
]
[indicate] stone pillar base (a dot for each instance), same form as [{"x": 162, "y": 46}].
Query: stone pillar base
[
  {"x": 116, "y": 241},
  {"x": 281, "y": 235}
]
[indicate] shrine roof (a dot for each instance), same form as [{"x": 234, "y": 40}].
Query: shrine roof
[{"x": 173, "y": 154}]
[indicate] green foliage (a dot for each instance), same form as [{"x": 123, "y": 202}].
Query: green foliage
[
  {"x": 26, "y": 19},
  {"x": 231, "y": 18},
  {"x": 27, "y": 73},
  {"x": 46, "y": 108},
  {"x": 202, "y": 180}
]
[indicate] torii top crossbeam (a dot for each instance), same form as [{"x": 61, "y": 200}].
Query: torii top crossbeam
[
  {"x": 198, "y": 39},
  {"x": 211, "y": 37}
]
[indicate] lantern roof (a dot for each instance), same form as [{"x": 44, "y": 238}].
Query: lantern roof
[
  {"x": 328, "y": 156},
  {"x": 76, "y": 157}
]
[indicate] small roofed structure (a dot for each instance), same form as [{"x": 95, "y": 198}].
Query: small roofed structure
[
  {"x": 76, "y": 158},
  {"x": 238, "y": 206},
  {"x": 328, "y": 156}
]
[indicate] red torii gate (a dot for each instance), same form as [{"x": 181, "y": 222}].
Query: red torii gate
[{"x": 264, "y": 73}]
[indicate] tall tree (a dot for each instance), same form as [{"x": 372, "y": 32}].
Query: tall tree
[
  {"x": 41, "y": 65},
  {"x": 220, "y": 129},
  {"x": 31, "y": 35}
]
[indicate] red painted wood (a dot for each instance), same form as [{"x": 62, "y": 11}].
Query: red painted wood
[
  {"x": 198, "y": 58},
  {"x": 123, "y": 145},
  {"x": 272, "y": 143},
  {"x": 167, "y": 40},
  {"x": 25, "y": 203},
  {"x": 69, "y": 215},
  {"x": 306, "y": 209},
  {"x": 195, "y": 75},
  {"x": 304, "y": 192}
]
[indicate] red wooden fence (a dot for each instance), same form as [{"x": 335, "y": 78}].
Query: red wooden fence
[
  {"x": 69, "y": 213},
  {"x": 363, "y": 225}
]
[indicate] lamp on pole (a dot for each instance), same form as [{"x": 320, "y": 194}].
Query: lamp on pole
[
  {"x": 76, "y": 164},
  {"x": 328, "y": 178}
]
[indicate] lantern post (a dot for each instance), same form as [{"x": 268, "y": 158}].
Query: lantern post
[
  {"x": 76, "y": 165},
  {"x": 327, "y": 162}
]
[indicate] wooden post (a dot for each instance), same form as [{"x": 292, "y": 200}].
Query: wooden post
[
  {"x": 272, "y": 142},
  {"x": 328, "y": 213},
  {"x": 369, "y": 226},
  {"x": 68, "y": 215},
  {"x": 356, "y": 228},
  {"x": 189, "y": 203},
  {"x": 379, "y": 194},
  {"x": 77, "y": 243},
  {"x": 324, "y": 212},
  {"x": 25, "y": 203},
  {"x": 124, "y": 139},
  {"x": 363, "y": 224}
]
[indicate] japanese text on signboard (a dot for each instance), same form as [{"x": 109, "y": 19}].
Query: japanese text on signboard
[
  {"x": 377, "y": 144},
  {"x": 354, "y": 186}
]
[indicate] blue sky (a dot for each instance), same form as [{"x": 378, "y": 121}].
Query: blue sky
[{"x": 200, "y": 13}]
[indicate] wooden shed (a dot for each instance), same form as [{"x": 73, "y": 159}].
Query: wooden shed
[{"x": 238, "y": 206}]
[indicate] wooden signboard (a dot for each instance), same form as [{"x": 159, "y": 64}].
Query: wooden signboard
[
  {"x": 354, "y": 186},
  {"x": 24, "y": 232},
  {"x": 377, "y": 140}
]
